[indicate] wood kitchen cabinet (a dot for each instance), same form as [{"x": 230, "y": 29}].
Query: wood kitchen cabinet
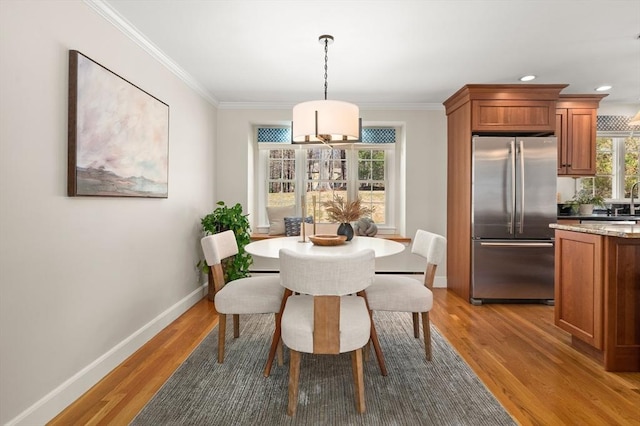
[
  {"x": 576, "y": 125},
  {"x": 485, "y": 109},
  {"x": 578, "y": 286},
  {"x": 523, "y": 115},
  {"x": 597, "y": 292}
]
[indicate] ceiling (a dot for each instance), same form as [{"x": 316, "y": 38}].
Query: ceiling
[{"x": 387, "y": 53}]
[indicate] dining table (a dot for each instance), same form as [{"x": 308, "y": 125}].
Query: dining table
[{"x": 270, "y": 248}]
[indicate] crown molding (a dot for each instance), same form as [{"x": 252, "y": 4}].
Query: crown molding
[
  {"x": 113, "y": 17},
  {"x": 362, "y": 106}
]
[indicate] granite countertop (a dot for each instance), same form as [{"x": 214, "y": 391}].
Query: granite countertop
[
  {"x": 600, "y": 217},
  {"x": 609, "y": 230}
]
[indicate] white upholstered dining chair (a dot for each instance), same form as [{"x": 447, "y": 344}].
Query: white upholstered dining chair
[
  {"x": 405, "y": 294},
  {"x": 328, "y": 314},
  {"x": 251, "y": 295}
]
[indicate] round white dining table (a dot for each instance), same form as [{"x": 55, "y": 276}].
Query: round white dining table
[{"x": 270, "y": 247}]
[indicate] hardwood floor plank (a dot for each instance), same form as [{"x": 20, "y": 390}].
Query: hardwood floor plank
[
  {"x": 120, "y": 395},
  {"x": 530, "y": 366},
  {"x": 522, "y": 357}
]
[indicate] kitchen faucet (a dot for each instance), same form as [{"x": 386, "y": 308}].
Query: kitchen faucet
[{"x": 632, "y": 207}]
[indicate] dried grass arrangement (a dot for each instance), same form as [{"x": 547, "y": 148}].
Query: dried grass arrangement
[{"x": 341, "y": 211}]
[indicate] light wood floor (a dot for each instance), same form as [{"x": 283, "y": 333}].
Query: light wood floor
[{"x": 526, "y": 362}]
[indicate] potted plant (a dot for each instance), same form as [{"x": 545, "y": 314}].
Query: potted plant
[
  {"x": 585, "y": 200},
  {"x": 225, "y": 218},
  {"x": 344, "y": 212}
]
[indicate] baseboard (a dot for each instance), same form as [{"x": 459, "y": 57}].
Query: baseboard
[
  {"x": 58, "y": 399},
  {"x": 440, "y": 282}
]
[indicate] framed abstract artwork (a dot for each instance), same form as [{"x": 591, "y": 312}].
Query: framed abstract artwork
[{"x": 118, "y": 135}]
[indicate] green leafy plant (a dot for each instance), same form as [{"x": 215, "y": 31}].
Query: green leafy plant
[
  {"x": 586, "y": 196},
  {"x": 225, "y": 218}
]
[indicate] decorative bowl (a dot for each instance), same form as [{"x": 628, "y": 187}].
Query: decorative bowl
[{"x": 328, "y": 240}]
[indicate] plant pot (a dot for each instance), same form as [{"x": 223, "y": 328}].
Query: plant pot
[
  {"x": 585, "y": 209},
  {"x": 345, "y": 229}
]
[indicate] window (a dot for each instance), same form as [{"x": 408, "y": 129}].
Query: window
[
  {"x": 617, "y": 159},
  {"x": 288, "y": 172}
]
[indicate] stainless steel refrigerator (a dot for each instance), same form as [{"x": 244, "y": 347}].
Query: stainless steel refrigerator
[{"x": 514, "y": 201}]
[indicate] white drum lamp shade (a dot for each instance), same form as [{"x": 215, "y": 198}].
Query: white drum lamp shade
[{"x": 325, "y": 121}]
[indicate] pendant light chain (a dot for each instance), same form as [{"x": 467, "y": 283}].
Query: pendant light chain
[{"x": 326, "y": 68}]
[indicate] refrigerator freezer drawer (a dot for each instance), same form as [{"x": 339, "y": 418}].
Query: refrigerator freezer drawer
[{"x": 513, "y": 270}]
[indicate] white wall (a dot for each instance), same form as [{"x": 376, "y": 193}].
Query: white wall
[
  {"x": 85, "y": 281},
  {"x": 425, "y": 199},
  {"x": 628, "y": 110}
]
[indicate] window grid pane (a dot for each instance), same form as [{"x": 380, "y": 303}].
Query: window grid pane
[
  {"x": 631, "y": 164},
  {"x": 605, "y": 168},
  {"x": 325, "y": 177},
  {"x": 281, "y": 178},
  {"x": 371, "y": 182}
]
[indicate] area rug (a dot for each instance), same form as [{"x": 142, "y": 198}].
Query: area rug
[{"x": 444, "y": 391}]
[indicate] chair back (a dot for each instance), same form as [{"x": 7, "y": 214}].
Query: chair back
[
  {"x": 219, "y": 246},
  {"x": 327, "y": 275},
  {"x": 216, "y": 248},
  {"x": 432, "y": 247}
]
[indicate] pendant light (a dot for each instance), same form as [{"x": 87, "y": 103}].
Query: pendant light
[{"x": 326, "y": 121}]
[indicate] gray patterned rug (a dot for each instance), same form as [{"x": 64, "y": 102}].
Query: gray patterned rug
[{"x": 444, "y": 391}]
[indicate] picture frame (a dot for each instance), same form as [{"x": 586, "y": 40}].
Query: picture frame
[{"x": 118, "y": 135}]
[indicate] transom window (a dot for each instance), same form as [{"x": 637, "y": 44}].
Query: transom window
[{"x": 364, "y": 170}]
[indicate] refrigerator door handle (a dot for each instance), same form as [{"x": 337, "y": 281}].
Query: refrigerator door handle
[
  {"x": 517, "y": 244},
  {"x": 512, "y": 154},
  {"x": 522, "y": 185}
]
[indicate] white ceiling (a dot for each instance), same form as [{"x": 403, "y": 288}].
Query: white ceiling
[{"x": 395, "y": 52}]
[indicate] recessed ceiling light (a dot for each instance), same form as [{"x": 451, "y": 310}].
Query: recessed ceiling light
[
  {"x": 527, "y": 78},
  {"x": 602, "y": 88}
]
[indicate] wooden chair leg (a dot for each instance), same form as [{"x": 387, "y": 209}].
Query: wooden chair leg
[
  {"x": 374, "y": 337},
  {"x": 416, "y": 325},
  {"x": 426, "y": 329},
  {"x": 280, "y": 352},
  {"x": 236, "y": 326},
  {"x": 222, "y": 330},
  {"x": 378, "y": 350},
  {"x": 294, "y": 376},
  {"x": 366, "y": 350},
  {"x": 275, "y": 341},
  {"x": 358, "y": 379},
  {"x": 279, "y": 348}
]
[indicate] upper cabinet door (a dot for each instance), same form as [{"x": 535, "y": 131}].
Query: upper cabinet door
[
  {"x": 576, "y": 126},
  {"x": 581, "y": 142},
  {"x": 576, "y": 142},
  {"x": 501, "y": 116}
]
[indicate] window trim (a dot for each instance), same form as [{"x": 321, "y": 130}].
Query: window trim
[
  {"x": 393, "y": 182},
  {"x": 618, "y": 177}
]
